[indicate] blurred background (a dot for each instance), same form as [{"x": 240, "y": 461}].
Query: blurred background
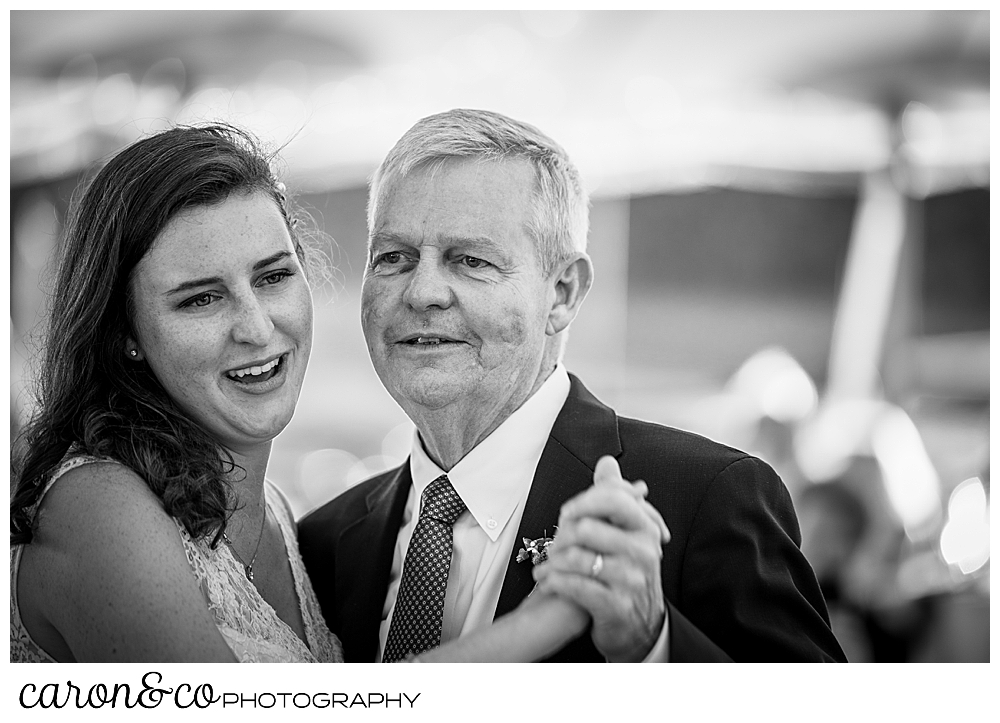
[{"x": 790, "y": 228}]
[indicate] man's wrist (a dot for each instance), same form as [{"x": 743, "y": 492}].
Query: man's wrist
[
  {"x": 660, "y": 652},
  {"x": 657, "y": 652}
]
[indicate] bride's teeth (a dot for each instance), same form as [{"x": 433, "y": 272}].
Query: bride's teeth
[{"x": 255, "y": 371}]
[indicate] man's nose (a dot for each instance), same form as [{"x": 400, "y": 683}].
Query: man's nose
[
  {"x": 252, "y": 323},
  {"x": 428, "y": 285}
]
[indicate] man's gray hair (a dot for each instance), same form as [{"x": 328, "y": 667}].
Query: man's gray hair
[{"x": 559, "y": 219}]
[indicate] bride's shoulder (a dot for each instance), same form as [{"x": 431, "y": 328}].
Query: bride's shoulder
[
  {"x": 108, "y": 568},
  {"x": 91, "y": 497}
]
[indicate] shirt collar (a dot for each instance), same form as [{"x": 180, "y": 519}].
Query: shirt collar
[{"x": 496, "y": 475}]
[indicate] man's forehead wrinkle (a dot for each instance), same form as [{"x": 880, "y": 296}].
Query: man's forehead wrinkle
[
  {"x": 443, "y": 240},
  {"x": 378, "y": 238}
]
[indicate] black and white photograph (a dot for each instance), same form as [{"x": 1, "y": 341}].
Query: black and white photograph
[{"x": 497, "y": 336}]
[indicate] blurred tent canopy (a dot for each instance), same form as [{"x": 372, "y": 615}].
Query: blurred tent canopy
[{"x": 644, "y": 100}]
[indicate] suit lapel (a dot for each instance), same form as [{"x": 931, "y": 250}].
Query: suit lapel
[
  {"x": 584, "y": 431},
  {"x": 364, "y": 561}
]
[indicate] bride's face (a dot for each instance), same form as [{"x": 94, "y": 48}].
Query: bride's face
[{"x": 223, "y": 316}]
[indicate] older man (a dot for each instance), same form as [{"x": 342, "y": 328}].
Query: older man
[{"x": 476, "y": 268}]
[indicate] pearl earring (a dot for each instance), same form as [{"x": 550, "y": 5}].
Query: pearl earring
[{"x": 133, "y": 353}]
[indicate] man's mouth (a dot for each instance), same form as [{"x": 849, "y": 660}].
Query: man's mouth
[
  {"x": 428, "y": 341},
  {"x": 257, "y": 374}
]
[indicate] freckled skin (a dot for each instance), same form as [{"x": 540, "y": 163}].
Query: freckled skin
[
  {"x": 450, "y": 256},
  {"x": 192, "y": 338}
]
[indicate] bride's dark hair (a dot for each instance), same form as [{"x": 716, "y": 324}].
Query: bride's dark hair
[{"x": 89, "y": 392}]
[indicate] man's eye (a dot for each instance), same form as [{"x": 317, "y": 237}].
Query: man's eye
[
  {"x": 390, "y": 257},
  {"x": 473, "y": 263}
]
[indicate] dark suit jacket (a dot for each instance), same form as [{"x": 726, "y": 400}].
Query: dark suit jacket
[{"x": 736, "y": 585}]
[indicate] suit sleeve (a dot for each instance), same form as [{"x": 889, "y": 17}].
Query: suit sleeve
[{"x": 747, "y": 593}]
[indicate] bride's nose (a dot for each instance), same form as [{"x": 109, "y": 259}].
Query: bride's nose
[{"x": 252, "y": 323}]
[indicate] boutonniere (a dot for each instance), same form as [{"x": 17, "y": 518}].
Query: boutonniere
[{"x": 537, "y": 550}]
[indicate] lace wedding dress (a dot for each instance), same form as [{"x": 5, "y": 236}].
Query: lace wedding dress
[{"x": 250, "y": 626}]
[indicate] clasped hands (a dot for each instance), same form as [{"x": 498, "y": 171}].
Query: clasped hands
[{"x": 606, "y": 559}]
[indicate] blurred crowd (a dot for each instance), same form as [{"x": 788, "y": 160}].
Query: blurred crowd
[{"x": 901, "y": 585}]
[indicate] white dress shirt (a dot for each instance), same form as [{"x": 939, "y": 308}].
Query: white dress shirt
[{"x": 493, "y": 481}]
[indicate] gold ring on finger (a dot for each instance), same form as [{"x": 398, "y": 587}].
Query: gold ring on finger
[{"x": 598, "y": 565}]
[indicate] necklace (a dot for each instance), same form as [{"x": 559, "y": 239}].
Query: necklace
[{"x": 248, "y": 567}]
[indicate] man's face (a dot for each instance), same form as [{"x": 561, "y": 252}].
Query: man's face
[{"x": 454, "y": 303}]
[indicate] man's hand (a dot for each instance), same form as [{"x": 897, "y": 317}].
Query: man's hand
[{"x": 606, "y": 558}]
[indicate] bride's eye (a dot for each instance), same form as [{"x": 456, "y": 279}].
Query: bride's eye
[
  {"x": 200, "y": 300},
  {"x": 275, "y": 277}
]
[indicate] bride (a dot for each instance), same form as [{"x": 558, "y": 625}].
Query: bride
[{"x": 142, "y": 525}]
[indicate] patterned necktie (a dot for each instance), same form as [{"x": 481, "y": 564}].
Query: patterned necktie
[{"x": 416, "y": 618}]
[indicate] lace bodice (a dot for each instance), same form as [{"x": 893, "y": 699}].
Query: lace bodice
[{"x": 249, "y": 624}]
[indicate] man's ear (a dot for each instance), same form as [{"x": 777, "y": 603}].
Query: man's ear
[{"x": 572, "y": 282}]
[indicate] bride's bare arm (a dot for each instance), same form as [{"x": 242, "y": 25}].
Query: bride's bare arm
[
  {"x": 107, "y": 579},
  {"x": 537, "y": 628}
]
